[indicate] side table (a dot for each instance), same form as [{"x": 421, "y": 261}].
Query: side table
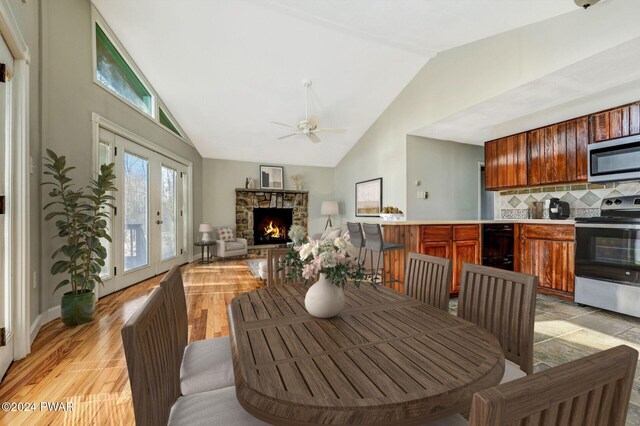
[{"x": 202, "y": 245}]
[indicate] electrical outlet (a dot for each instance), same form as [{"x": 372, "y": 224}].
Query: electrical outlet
[
  {"x": 34, "y": 279},
  {"x": 422, "y": 195}
]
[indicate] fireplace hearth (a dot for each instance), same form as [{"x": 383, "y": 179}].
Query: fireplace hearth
[{"x": 271, "y": 225}]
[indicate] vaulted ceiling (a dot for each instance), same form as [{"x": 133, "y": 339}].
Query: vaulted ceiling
[{"x": 226, "y": 69}]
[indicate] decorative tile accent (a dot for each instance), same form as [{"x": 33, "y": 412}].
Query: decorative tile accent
[
  {"x": 569, "y": 198},
  {"x": 584, "y": 199},
  {"x": 614, "y": 193},
  {"x": 590, "y": 199},
  {"x": 514, "y": 202}
]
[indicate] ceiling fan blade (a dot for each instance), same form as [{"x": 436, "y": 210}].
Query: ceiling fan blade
[
  {"x": 284, "y": 124},
  {"x": 289, "y": 135},
  {"x": 314, "y": 138},
  {"x": 330, "y": 130},
  {"x": 313, "y": 121}
]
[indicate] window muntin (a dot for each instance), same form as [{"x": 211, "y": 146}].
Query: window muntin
[{"x": 113, "y": 72}]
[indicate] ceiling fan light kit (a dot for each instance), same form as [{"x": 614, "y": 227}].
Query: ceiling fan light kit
[
  {"x": 308, "y": 126},
  {"x": 586, "y": 3}
]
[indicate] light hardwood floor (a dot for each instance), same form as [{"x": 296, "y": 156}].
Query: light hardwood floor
[{"x": 86, "y": 366}]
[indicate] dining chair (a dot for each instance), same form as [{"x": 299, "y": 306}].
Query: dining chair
[
  {"x": 504, "y": 303},
  {"x": 276, "y": 269},
  {"x": 204, "y": 364},
  {"x": 149, "y": 348},
  {"x": 593, "y": 390},
  {"x": 428, "y": 279},
  {"x": 375, "y": 245},
  {"x": 356, "y": 237}
]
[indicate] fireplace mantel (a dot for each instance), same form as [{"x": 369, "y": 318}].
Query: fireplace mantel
[
  {"x": 248, "y": 199},
  {"x": 273, "y": 191}
]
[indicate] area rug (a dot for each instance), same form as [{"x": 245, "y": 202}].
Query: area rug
[{"x": 254, "y": 266}]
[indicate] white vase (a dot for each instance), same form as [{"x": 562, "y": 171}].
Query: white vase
[{"x": 323, "y": 299}]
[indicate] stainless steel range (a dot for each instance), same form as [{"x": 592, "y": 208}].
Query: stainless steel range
[{"x": 607, "y": 263}]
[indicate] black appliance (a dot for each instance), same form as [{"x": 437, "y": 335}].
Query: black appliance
[
  {"x": 497, "y": 245},
  {"x": 558, "y": 209},
  {"x": 614, "y": 160},
  {"x": 607, "y": 259}
]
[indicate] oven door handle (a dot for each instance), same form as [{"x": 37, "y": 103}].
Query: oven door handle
[{"x": 607, "y": 225}]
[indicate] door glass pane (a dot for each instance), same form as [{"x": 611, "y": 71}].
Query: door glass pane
[
  {"x": 136, "y": 201},
  {"x": 104, "y": 157},
  {"x": 169, "y": 208}
]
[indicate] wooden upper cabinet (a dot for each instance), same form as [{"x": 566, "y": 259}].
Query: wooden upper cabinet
[
  {"x": 616, "y": 123},
  {"x": 558, "y": 153},
  {"x": 506, "y": 162}
]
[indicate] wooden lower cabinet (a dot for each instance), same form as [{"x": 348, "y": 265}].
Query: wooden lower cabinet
[
  {"x": 436, "y": 248},
  {"x": 547, "y": 251},
  {"x": 463, "y": 252},
  {"x": 460, "y": 243}
]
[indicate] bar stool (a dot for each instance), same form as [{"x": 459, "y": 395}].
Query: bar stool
[
  {"x": 356, "y": 237},
  {"x": 374, "y": 243}
]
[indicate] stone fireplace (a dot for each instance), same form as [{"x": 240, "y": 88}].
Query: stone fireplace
[{"x": 277, "y": 201}]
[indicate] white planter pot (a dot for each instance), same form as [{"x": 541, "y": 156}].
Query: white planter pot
[{"x": 323, "y": 299}]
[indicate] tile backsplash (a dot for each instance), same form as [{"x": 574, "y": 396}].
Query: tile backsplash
[{"x": 584, "y": 199}]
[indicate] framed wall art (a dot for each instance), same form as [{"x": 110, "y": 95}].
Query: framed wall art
[
  {"x": 271, "y": 177},
  {"x": 369, "y": 198}
]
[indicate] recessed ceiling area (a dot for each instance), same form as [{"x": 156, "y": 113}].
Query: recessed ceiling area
[
  {"x": 226, "y": 69},
  {"x": 598, "y": 74}
]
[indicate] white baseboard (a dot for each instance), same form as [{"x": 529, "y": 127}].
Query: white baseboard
[{"x": 42, "y": 319}]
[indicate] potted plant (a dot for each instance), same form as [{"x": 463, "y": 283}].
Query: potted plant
[
  {"x": 81, "y": 220},
  {"x": 335, "y": 263}
]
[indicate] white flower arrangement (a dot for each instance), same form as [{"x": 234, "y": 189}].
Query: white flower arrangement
[{"x": 337, "y": 259}]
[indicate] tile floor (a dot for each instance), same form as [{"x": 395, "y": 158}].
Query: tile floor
[{"x": 565, "y": 331}]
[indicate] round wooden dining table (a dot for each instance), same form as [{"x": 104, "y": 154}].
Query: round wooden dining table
[{"x": 386, "y": 359}]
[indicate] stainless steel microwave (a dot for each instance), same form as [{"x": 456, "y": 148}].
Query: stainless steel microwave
[{"x": 615, "y": 160}]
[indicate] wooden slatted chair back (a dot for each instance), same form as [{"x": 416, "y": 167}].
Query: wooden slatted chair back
[
  {"x": 177, "y": 304},
  {"x": 276, "y": 270},
  {"x": 504, "y": 303},
  {"x": 149, "y": 348},
  {"x": 428, "y": 279},
  {"x": 594, "y": 390}
]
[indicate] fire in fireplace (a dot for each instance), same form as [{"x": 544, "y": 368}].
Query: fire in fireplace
[{"x": 271, "y": 225}]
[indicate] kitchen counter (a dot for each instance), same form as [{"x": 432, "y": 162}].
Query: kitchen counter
[{"x": 476, "y": 222}]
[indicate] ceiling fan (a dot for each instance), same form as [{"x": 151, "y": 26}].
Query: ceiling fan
[{"x": 308, "y": 126}]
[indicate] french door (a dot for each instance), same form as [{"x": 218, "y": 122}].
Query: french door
[
  {"x": 150, "y": 221},
  {"x": 6, "y": 294}
]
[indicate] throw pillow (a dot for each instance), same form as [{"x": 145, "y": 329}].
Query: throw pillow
[
  {"x": 225, "y": 234},
  {"x": 331, "y": 233}
]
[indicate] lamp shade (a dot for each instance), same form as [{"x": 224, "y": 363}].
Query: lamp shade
[
  {"x": 205, "y": 227},
  {"x": 329, "y": 208}
]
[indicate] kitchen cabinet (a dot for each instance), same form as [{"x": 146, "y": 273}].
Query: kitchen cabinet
[
  {"x": 506, "y": 162},
  {"x": 460, "y": 243},
  {"x": 558, "y": 153},
  {"x": 547, "y": 251},
  {"x": 616, "y": 123}
]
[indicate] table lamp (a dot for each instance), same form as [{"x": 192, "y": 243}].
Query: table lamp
[
  {"x": 329, "y": 208},
  {"x": 206, "y": 230}
]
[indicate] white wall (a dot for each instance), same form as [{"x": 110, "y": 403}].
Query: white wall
[
  {"x": 220, "y": 178},
  {"x": 459, "y": 78},
  {"x": 449, "y": 172}
]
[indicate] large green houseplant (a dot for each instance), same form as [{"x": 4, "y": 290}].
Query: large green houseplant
[{"x": 82, "y": 222}]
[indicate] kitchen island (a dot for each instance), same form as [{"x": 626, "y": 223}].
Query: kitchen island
[{"x": 542, "y": 247}]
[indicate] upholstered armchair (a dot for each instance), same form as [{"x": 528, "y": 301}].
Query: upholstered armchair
[{"x": 229, "y": 248}]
